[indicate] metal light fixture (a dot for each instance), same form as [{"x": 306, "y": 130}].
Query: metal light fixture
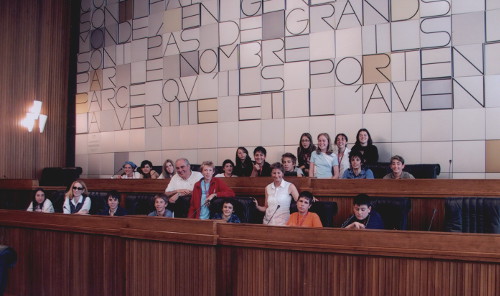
[
  {"x": 34, "y": 114},
  {"x": 41, "y": 122}
]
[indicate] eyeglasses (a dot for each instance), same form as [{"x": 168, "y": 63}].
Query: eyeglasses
[{"x": 77, "y": 188}]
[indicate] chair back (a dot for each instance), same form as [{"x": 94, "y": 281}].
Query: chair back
[{"x": 472, "y": 214}]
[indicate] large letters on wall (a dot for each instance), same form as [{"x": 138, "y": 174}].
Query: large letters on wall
[{"x": 156, "y": 63}]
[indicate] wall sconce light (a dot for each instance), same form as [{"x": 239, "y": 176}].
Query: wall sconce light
[
  {"x": 41, "y": 122},
  {"x": 34, "y": 114}
]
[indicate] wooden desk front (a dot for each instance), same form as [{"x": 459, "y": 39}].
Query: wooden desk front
[{"x": 89, "y": 255}]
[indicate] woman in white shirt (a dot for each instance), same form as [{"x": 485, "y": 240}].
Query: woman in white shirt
[
  {"x": 40, "y": 203},
  {"x": 129, "y": 171},
  {"x": 77, "y": 200},
  {"x": 342, "y": 153},
  {"x": 278, "y": 194}
]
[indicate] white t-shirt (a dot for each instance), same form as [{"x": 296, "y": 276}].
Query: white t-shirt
[
  {"x": 67, "y": 209},
  {"x": 176, "y": 182},
  {"x": 136, "y": 175},
  {"x": 323, "y": 164},
  {"x": 221, "y": 175},
  {"x": 47, "y": 207}
]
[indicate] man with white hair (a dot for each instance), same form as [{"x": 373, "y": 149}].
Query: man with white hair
[{"x": 181, "y": 185}]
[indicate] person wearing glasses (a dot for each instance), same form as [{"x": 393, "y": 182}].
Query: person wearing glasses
[
  {"x": 304, "y": 151},
  {"x": 76, "y": 199}
]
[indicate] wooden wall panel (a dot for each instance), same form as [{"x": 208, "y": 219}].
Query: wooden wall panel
[
  {"x": 34, "y": 54},
  {"x": 164, "y": 268},
  {"x": 64, "y": 263},
  {"x": 422, "y": 210},
  {"x": 80, "y": 255},
  {"x": 351, "y": 265},
  {"x": 282, "y": 272}
]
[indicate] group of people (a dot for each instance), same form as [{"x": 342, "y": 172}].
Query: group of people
[
  {"x": 145, "y": 171},
  {"x": 204, "y": 187},
  {"x": 324, "y": 160},
  {"x": 338, "y": 161},
  {"x": 189, "y": 193}
]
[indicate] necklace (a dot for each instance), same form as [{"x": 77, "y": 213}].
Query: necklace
[
  {"x": 340, "y": 156},
  {"x": 205, "y": 187},
  {"x": 301, "y": 221}
]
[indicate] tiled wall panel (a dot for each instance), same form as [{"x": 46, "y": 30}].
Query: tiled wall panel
[{"x": 199, "y": 79}]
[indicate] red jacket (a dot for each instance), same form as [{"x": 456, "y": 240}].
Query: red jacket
[{"x": 217, "y": 185}]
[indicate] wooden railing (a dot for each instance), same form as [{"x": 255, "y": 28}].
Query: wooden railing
[
  {"x": 320, "y": 187},
  {"x": 89, "y": 255}
]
